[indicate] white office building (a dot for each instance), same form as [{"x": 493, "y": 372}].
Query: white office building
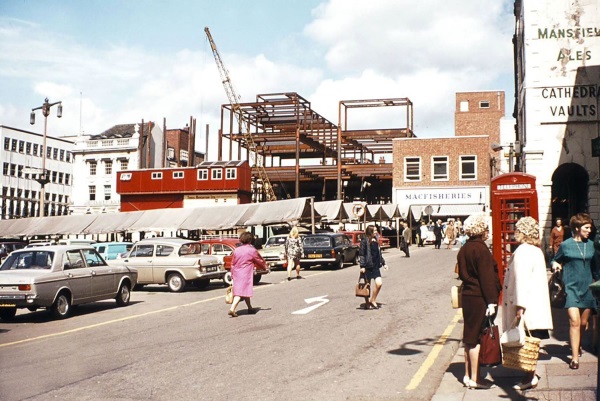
[{"x": 22, "y": 164}]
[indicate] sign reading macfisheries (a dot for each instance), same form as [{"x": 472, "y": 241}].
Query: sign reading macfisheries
[{"x": 452, "y": 195}]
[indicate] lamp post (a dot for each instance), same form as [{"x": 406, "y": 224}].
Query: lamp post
[{"x": 43, "y": 177}]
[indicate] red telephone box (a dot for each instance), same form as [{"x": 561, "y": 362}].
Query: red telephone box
[{"x": 513, "y": 196}]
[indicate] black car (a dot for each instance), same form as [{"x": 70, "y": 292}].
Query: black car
[{"x": 332, "y": 249}]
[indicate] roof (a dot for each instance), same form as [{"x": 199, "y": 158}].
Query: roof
[{"x": 122, "y": 131}]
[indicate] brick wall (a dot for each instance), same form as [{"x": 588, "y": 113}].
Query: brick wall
[
  {"x": 479, "y": 120},
  {"x": 453, "y": 148}
]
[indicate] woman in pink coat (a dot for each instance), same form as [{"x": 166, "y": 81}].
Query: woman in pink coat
[{"x": 245, "y": 257}]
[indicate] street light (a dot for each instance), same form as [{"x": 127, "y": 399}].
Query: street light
[{"x": 43, "y": 178}]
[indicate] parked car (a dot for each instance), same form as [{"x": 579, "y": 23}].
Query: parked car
[
  {"x": 223, "y": 248},
  {"x": 357, "y": 235},
  {"x": 7, "y": 247},
  {"x": 112, "y": 250},
  {"x": 430, "y": 236},
  {"x": 274, "y": 251},
  {"x": 333, "y": 249},
  {"x": 60, "y": 276},
  {"x": 171, "y": 261}
]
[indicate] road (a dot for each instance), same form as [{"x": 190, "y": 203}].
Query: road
[{"x": 167, "y": 346}]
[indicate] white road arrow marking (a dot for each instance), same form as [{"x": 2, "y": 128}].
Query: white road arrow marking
[{"x": 322, "y": 300}]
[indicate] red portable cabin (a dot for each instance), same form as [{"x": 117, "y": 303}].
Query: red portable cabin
[
  {"x": 513, "y": 196},
  {"x": 213, "y": 182}
]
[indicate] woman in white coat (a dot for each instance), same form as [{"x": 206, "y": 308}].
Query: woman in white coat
[{"x": 526, "y": 289}]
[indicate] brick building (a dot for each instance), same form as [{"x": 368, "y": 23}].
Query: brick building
[{"x": 451, "y": 174}]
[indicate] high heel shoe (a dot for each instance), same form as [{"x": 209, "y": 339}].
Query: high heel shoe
[
  {"x": 232, "y": 313},
  {"x": 574, "y": 365},
  {"x": 473, "y": 385},
  {"x": 466, "y": 381},
  {"x": 526, "y": 386}
]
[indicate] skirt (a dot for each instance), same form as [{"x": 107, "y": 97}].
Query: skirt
[
  {"x": 372, "y": 273},
  {"x": 474, "y": 308}
]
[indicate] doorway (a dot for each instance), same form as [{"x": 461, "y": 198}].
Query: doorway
[{"x": 569, "y": 191}]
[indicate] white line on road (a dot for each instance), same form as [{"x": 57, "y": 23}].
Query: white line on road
[
  {"x": 435, "y": 351},
  {"x": 322, "y": 300}
]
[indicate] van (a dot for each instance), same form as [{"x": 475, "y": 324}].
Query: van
[
  {"x": 76, "y": 242},
  {"x": 112, "y": 250}
]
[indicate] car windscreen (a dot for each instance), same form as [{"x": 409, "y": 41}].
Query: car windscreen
[
  {"x": 28, "y": 260},
  {"x": 320, "y": 241},
  {"x": 274, "y": 241}
]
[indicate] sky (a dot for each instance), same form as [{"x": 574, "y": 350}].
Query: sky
[{"x": 120, "y": 61}]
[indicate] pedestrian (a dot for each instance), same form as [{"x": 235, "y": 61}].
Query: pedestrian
[
  {"x": 244, "y": 258},
  {"x": 526, "y": 289},
  {"x": 438, "y": 231},
  {"x": 293, "y": 252},
  {"x": 406, "y": 239},
  {"x": 257, "y": 243},
  {"x": 557, "y": 236},
  {"x": 371, "y": 261},
  {"x": 574, "y": 258},
  {"x": 459, "y": 227},
  {"x": 423, "y": 232},
  {"x": 481, "y": 289},
  {"x": 450, "y": 235}
]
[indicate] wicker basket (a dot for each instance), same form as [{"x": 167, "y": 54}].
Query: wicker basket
[{"x": 522, "y": 358}]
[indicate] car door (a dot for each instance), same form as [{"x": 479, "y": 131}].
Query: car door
[
  {"x": 141, "y": 258},
  {"x": 78, "y": 275},
  {"x": 103, "y": 277},
  {"x": 165, "y": 259}
]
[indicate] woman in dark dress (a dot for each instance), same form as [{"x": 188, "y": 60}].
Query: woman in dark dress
[
  {"x": 574, "y": 258},
  {"x": 371, "y": 261},
  {"x": 481, "y": 290}
]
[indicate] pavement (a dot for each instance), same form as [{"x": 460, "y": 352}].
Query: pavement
[{"x": 557, "y": 381}]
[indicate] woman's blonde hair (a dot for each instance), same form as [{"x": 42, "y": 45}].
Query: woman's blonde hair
[
  {"x": 294, "y": 232},
  {"x": 530, "y": 230},
  {"x": 476, "y": 225}
]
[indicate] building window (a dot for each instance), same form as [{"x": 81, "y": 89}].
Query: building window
[
  {"x": 108, "y": 167},
  {"x": 55, "y": 153},
  {"x": 21, "y": 146},
  {"x": 157, "y": 176},
  {"x": 68, "y": 159},
  {"x": 202, "y": 174},
  {"x": 439, "y": 168},
  {"x": 13, "y": 146},
  {"x": 231, "y": 173},
  {"x": 60, "y": 178},
  {"x": 5, "y": 168},
  {"x": 177, "y": 175},
  {"x": 124, "y": 164},
  {"x": 48, "y": 152},
  {"x": 464, "y": 106},
  {"x": 54, "y": 176},
  {"x": 62, "y": 154},
  {"x": 412, "y": 169},
  {"x": 170, "y": 153},
  {"x": 35, "y": 149},
  {"x": 468, "y": 167},
  {"x": 6, "y": 143},
  {"x": 28, "y": 148},
  {"x": 13, "y": 170},
  {"x": 67, "y": 179},
  {"x": 93, "y": 168},
  {"x": 484, "y": 104},
  {"x": 92, "y": 190},
  {"x": 107, "y": 192},
  {"x": 216, "y": 174}
]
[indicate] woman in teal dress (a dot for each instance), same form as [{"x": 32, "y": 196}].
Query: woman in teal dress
[{"x": 574, "y": 257}]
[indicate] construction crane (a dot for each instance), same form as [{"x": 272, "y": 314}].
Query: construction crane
[{"x": 234, "y": 100}]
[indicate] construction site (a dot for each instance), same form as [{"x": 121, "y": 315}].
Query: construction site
[{"x": 296, "y": 152}]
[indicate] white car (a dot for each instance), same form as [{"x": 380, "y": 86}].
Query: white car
[
  {"x": 57, "y": 277},
  {"x": 273, "y": 251},
  {"x": 171, "y": 261}
]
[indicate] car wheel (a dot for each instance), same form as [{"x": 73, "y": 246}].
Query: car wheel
[
  {"x": 124, "y": 295},
  {"x": 202, "y": 283},
  {"x": 256, "y": 278},
  {"x": 227, "y": 279},
  {"x": 61, "y": 308},
  {"x": 8, "y": 313},
  {"x": 175, "y": 282},
  {"x": 340, "y": 263}
]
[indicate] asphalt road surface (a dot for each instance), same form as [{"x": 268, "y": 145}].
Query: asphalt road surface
[{"x": 310, "y": 341}]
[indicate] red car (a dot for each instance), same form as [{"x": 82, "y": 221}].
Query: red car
[
  {"x": 356, "y": 235},
  {"x": 223, "y": 248}
]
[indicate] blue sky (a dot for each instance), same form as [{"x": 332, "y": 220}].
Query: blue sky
[{"x": 114, "y": 62}]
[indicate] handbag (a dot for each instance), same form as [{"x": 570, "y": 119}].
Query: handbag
[
  {"x": 522, "y": 358},
  {"x": 490, "y": 353},
  {"x": 363, "y": 288},
  {"x": 229, "y": 295},
  {"x": 515, "y": 336},
  {"x": 456, "y": 296},
  {"x": 556, "y": 289}
]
